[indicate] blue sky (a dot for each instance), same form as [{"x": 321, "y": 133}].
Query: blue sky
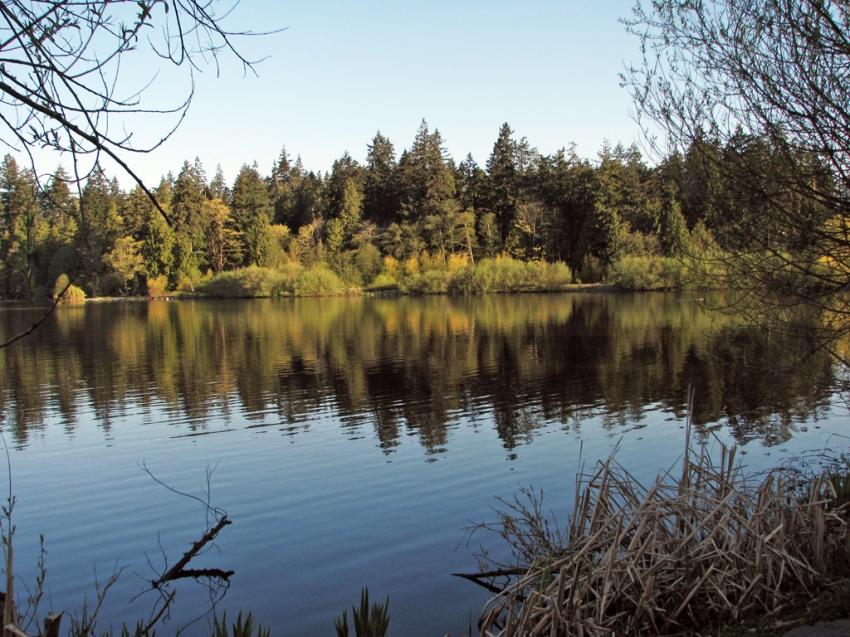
[{"x": 341, "y": 70}]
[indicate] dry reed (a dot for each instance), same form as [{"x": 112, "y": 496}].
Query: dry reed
[{"x": 686, "y": 554}]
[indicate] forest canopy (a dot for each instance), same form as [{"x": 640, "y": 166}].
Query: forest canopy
[
  {"x": 398, "y": 218},
  {"x": 749, "y": 191}
]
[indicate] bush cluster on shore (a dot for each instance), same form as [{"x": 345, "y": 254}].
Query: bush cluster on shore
[
  {"x": 459, "y": 277},
  {"x": 648, "y": 273},
  {"x": 293, "y": 280}
]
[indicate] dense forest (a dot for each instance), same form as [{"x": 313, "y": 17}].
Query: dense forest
[{"x": 417, "y": 222}]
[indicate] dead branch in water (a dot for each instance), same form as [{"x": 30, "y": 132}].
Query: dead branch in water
[{"x": 179, "y": 571}]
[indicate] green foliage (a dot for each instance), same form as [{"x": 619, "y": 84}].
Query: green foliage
[
  {"x": 368, "y": 260},
  {"x": 384, "y": 282},
  {"x": 67, "y": 293},
  {"x": 307, "y": 247},
  {"x": 126, "y": 262},
  {"x": 671, "y": 228},
  {"x": 188, "y": 218},
  {"x": 505, "y": 274},
  {"x": 637, "y": 244},
  {"x": 428, "y": 282},
  {"x": 341, "y": 228},
  {"x": 62, "y": 282},
  {"x": 488, "y": 235},
  {"x": 157, "y": 248},
  {"x": 223, "y": 238},
  {"x": 20, "y": 229},
  {"x": 157, "y": 286},
  {"x": 504, "y": 169},
  {"x": 276, "y": 255},
  {"x": 252, "y": 212},
  {"x": 608, "y": 234},
  {"x": 426, "y": 182},
  {"x": 369, "y": 621},
  {"x": 253, "y": 281},
  {"x": 239, "y": 628},
  {"x": 283, "y": 184},
  {"x": 256, "y": 281},
  {"x": 381, "y": 196},
  {"x": 647, "y": 273},
  {"x": 317, "y": 281},
  {"x": 186, "y": 262},
  {"x": 423, "y": 211}
]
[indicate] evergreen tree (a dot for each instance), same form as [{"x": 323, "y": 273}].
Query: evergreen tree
[
  {"x": 217, "y": 188},
  {"x": 503, "y": 182},
  {"x": 488, "y": 235},
  {"x": 426, "y": 182},
  {"x": 224, "y": 241},
  {"x": 157, "y": 237},
  {"x": 701, "y": 183},
  {"x": 470, "y": 182},
  {"x": 608, "y": 233},
  {"x": 309, "y": 201},
  {"x": 381, "y": 197},
  {"x": 252, "y": 211},
  {"x": 22, "y": 226},
  {"x": 344, "y": 170},
  {"x": 188, "y": 222},
  {"x": 672, "y": 229},
  {"x": 157, "y": 247},
  {"x": 126, "y": 263},
  {"x": 568, "y": 186},
  {"x": 99, "y": 226},
  {"x": 632, "y": 187},
  {"x": 282, "y": 185},
  {"x": 134, "y": 207},
  {"x": 343, "y": 225},
  {"x": 56, "y": 252}
]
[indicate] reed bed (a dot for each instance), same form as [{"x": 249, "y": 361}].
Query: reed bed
[{"x": 688, "y": 553}]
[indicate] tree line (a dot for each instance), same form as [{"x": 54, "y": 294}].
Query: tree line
[{"x": 358, "y": 218}]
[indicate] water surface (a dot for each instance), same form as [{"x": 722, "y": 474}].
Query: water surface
[{"x": 353, "y": 439}]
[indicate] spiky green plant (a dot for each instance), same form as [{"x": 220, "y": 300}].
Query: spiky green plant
[
  {"x": 368, "y": 621},
  {"x": 240, "y": 628}
]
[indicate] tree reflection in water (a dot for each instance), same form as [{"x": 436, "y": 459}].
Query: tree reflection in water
[{"x": 410, "y": 366}]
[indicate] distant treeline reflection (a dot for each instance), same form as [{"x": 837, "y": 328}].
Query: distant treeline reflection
[{"x": 410, "y": 365}]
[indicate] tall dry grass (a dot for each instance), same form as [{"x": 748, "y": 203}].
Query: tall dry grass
[{"x": 687, "y": 553}]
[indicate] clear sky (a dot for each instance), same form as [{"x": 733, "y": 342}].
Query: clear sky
[{"x": 342, "y": 70}]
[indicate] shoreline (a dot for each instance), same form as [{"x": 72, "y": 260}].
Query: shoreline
[{"x": 575, "y": 288}]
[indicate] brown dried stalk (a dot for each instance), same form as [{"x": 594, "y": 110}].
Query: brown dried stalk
[{"x": 688, "y": 552}]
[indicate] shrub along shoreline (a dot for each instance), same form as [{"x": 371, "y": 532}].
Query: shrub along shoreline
[
  {"x": 456, "y": 277},
  {"x": 453, "y": 274},
  {"x": 425, "y": 275}
]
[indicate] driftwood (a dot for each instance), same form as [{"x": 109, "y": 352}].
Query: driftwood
[
  {"x": 52, "y": 623},
  {"x": 484, "y": 579},
  {"x": 179, "y": 570}
]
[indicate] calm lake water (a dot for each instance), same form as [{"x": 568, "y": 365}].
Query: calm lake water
[{"x": 354, "y": 439}]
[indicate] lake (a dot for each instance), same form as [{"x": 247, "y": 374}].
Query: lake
[{"x": 354, "y": 440}]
